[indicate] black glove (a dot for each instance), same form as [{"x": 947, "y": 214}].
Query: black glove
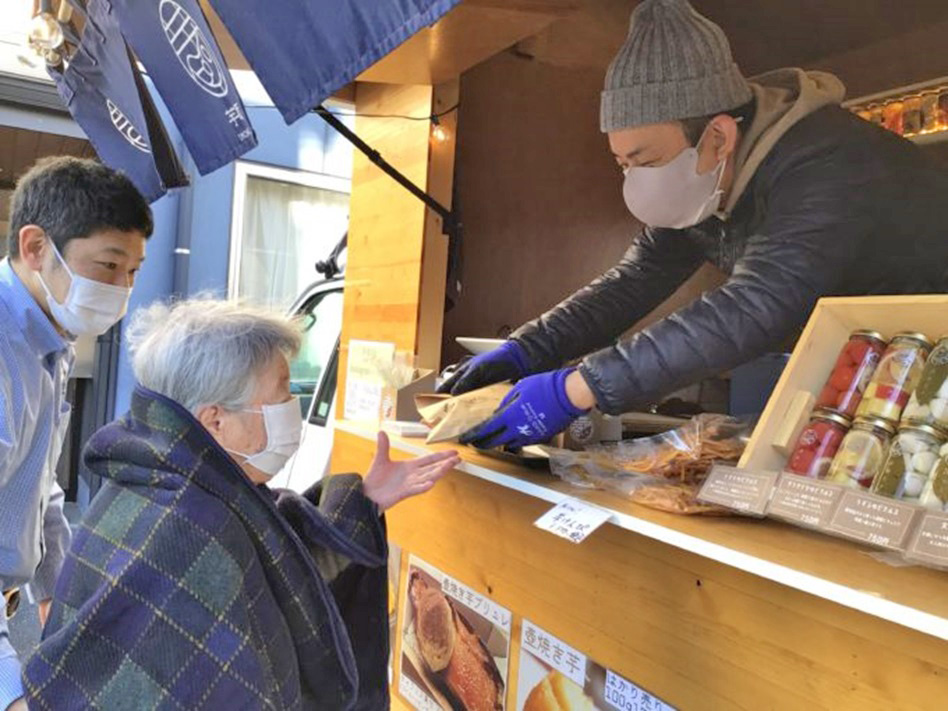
[{"x": 507, "y": 362}]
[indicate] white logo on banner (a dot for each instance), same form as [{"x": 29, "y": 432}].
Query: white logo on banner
[
  {"x": 126, "y": 127},
  {"x": 192, "y": 48}
]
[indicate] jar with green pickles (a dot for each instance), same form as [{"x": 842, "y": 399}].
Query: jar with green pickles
[
  {"x": 929, "y": 403},
  {"x": 909, "y": 462},
  {"x": 862, "y": 453},
  {"x": 935, "y": 492},
  {"x": 895, "y": 378}
]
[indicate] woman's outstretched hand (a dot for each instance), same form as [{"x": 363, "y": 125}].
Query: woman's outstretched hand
[{"x": 389, "y": 482}]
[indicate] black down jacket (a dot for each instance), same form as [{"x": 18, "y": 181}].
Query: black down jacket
[{"x": 838, "y": 207}]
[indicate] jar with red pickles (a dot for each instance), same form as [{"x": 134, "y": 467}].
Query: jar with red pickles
[
  {"x": 892, "y": 116},
  {"x": 862, "y": 453},
  {"x": 896, "y": 377},
  {"x": 818, "y": 444},
  {"x": 851, "y": 375}
]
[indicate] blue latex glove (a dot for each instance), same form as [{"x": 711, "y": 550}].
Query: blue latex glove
[
  {"x": 534, "y": 411},
  {"x": 506, "y": 362}
]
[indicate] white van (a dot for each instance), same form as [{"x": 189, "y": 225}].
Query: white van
[{"x": 313, "y": 377}]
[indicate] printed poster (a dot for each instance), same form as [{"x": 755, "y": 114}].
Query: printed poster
[
  {"x": 455, "y": 644},
  {"x": 555, "y": 675}
]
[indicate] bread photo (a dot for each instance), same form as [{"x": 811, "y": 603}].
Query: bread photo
[{"x": 558, "y": 693}]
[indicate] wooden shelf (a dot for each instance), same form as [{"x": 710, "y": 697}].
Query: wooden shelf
[{"x": 829, "y": 568}]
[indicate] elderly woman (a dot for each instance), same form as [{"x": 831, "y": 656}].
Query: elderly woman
[{"x": 192, "y": 585}]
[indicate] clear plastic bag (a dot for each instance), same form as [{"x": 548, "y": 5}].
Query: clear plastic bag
[{"x": 663, "y": 472}]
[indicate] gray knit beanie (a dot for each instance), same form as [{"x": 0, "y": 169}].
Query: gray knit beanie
[{"x": 675, "y": 64}]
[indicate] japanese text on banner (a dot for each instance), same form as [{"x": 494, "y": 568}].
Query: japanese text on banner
[
  {"x": 555, "y": 653},
  {"x": 624, "y": 695},
  {"x": 485, "y": 607}
]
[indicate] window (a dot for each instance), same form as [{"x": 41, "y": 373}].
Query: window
[
  {"x": 321, "y": 317},
  {"x": 284, "y": 222}
]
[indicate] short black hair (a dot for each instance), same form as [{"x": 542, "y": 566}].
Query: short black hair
[
  {"x": 71, "y": 198},
  {"x": 694, "y": 127}
]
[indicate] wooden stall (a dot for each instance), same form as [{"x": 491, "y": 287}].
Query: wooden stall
[{"x": 698, "y": 613}]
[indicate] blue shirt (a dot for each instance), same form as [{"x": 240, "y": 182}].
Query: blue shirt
[{"x": 35, "y": 361}]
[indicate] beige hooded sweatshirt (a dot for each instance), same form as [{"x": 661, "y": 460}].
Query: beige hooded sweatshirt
[{"x": 784, "y": 97}]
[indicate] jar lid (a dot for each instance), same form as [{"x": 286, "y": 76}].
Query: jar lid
[
  {"x": 911, "y": 426},
  {"x": 823, "y": 413},
  {"x": 875, "y": 335},
  {"x": 874, "y": 423},
  {"x": 920, "y": 338}
]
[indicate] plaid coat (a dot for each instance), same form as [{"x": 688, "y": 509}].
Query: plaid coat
[{"x": 188, "y": 587}]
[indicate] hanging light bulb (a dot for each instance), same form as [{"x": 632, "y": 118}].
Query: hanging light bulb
[
  {"x": 438, "y": 132},
  {"x": 46, "y": 37}
]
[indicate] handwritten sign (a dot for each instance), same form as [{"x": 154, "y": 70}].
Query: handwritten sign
[
  {"x": 554, "y": 652},
  {"x": 929, "y": 545},
  {"x": 738, "y": 489},
  {"x": 573, "y": 520},
  {"x": 623, "y": 695},
  {"x": 366, "y": 362},
  {"x": 872, "y": 519},
  {"x": 485, "y": 607},
  {"x": 804, "y": 501}
]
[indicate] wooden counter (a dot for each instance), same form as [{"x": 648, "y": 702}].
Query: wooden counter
[{"x": 706, "y": 613}]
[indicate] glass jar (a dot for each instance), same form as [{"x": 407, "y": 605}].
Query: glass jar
[
  {"x": 818, "y": 443},
  {"x": 895, "y": 378},
  {"x": 935, "y": 493},
  {"x": 912, "y": 115},
  {"x": 852, "y": 373},
  {"x": 862, "y": 453},
  {"x": 892, "y": 116},
  {"x": 943, "y": 107},
  {"x": 909, "y": 462},
  {"x": 929, "y": 402},
  {"x": 930, "y": 117}
]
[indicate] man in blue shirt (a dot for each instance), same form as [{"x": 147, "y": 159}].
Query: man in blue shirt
[{"x": 77, "y": 238}]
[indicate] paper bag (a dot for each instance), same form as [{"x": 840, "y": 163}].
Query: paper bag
[{"x": 450, "y": 417}]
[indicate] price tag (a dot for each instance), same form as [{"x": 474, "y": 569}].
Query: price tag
[
  {"x": 804, "y": 501},
  {"x": 554, "y": 652},
  {"x": 872, "y": 519},
  {"x": 930, "y": 543},
  {"x": 623, "y": 695},
  {"x": 738, "y": 489},
  {"x": 573, "y": 520}
]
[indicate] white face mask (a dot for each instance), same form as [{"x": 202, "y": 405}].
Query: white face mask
[
  {"x": 674, "y": 195},
  {"x": 284, "y": 426},
  {"x": 91, "y": 308}
]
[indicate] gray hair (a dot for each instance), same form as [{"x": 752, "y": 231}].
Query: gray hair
[{"x": 206, "y": 351}]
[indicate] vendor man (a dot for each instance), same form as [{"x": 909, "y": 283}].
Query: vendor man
[
  {"x": 77, "y": 238},
  {"x": 791, "y": 195}
]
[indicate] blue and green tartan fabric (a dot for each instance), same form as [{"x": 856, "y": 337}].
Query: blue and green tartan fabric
[{"x": 188, "y": 587}]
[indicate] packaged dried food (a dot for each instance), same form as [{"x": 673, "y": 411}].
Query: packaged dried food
[
  {"x": 895, "y": 378},
  {"x": 909, "y": 463},
  {"x": 640, "y": 469},
  {"x": 892, "y": 116},
  {"x": 935, "y": 493},
  {"x": 854, "y": 367},
  {"x": 912, "y": 115},
  {"x": 930, "y": 118},
  {"x": 862, "y": 453},
  {"x": 943, "y": 107},
  {"x": 450, "y": 417},
  {"x": 864, "y": 113},
  {"x": 818, "y": 444},
  {"x": 929, "y": 402},
  {"x": 875, "y": 114}
]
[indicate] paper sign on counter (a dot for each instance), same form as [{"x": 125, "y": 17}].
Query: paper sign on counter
[
  {"x": 554, "y": 653},
  {"x": 872, "y": 519},
  {"x": 738, "y": 489},
  {"x": 804, "y": 501},
  {"x": 573, "y": 520},
  {"x": 930, "y": 543},
  {"x": 364, "y": 384}
]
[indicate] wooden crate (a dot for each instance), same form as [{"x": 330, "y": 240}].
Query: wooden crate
[{"x": 812, "y": 362}]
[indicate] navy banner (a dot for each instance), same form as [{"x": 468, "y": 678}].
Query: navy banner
[
  {"x": 303, "y": 51},
  {"x": 173, "y": 41},
  {"x": 99, "y": 89}
]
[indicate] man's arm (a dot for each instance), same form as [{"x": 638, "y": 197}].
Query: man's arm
[
  {"x": 57, "y": 536},
  {"x": 11, "y": 688},
  {"x": 657, "y": 263}
]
